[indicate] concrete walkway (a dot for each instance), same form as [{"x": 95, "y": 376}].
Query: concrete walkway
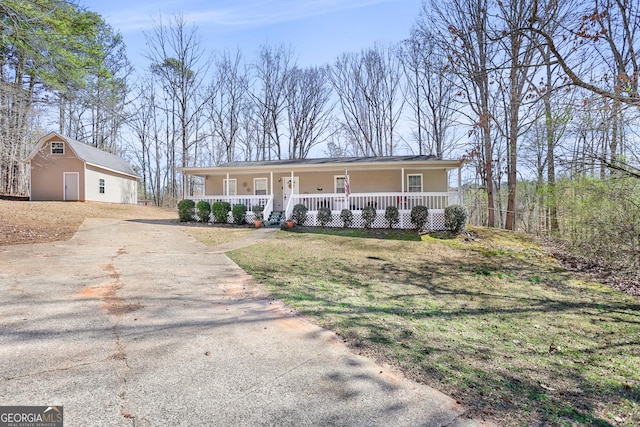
[{"x": 137, "y": 324}]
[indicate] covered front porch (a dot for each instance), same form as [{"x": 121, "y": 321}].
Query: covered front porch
[{"x": 277, "y": 186}]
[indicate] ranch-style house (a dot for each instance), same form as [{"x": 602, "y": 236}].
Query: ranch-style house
[{"x": 337, "y": 183}]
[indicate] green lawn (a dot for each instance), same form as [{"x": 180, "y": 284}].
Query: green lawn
[{"x": 491, "y": 320}]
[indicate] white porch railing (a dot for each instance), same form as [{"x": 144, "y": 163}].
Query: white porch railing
[
  {"x": 380, "y": 201},
  {"x": 434, "y": 201}
]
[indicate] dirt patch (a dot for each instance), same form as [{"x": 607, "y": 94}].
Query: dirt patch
[{"x": 24, "y": 222}]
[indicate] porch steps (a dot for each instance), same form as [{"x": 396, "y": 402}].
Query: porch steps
[{"x": 276, "y": 218}]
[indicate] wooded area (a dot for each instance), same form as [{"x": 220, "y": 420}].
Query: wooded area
[{"x": 540, "y": 97}]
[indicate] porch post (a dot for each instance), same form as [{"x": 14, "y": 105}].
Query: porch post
[
  {"x": 227, "y": 189},
  {"x": 271, "y": 179},
  {"x": 402, "y": 221},
  {"x": 460, "y": 185}
]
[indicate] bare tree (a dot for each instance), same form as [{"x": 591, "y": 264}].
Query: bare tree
[
  {"x": 272, "y": 69},
  {"x": 514, "y": 73},
  {"x": 368, "y": 86},
  {"x": 308, "y": 109},
  {"x": 430, "y": 89},
  {"x": 608, "y": 28},
  {"x": 229, "y": 93},
  {"x": 464, "y": 26},
  {"x": 176, "y": 56}
]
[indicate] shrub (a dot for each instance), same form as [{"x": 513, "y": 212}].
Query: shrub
[
  {"x": 346, "y": 216},
  {"x": 368, "y": 216},
  {"x": 283, "y": 226},
  {"x": 186, "y": 210},
  {"x": 203, "y": 209},
  {"x": 455, "y": 218},
  {"x": 419, "y": 216},
  {"x": 324, "y": 215},
  {"x": 239, "y": 214},
  {"x": 299, "y": 214},
  {"x": 257, "y": 211},
  {"x": 220, "y": 211},
  {"x": 392, "y": 215}
]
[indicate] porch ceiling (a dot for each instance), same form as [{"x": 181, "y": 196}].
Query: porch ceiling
[{"x": 325, "y": 165}]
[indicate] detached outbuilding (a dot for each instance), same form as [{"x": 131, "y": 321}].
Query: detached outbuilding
[{"x": 65, "y": 169}]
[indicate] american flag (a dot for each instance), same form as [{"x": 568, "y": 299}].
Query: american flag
[{"x": 347, "y": 186}]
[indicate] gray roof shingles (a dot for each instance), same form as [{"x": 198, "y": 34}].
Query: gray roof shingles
[
  {"x": 99, "y": 158},
  {"x": 330, "y": 161}
]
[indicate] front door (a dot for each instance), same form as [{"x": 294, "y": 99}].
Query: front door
[
  {"x": 289, "y": 189},
  {"x": 71, "y": 186}
]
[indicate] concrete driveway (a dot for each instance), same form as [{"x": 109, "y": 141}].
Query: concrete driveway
[{"x": 137, "y": 324}]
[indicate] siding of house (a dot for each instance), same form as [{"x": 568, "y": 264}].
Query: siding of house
[
  {"x": 118, "y": 189},
  {"x": 374, "y": 181},
  {"x": 47, "y": 173}
]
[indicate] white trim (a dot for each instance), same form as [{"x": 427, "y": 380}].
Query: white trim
[
  {"x": 64, "y": 185},
  {"x": 335, "y": 183},
  {"x": 255, "y": 187},
  {"x": 294, "y": 181},
  {"x": 226, "y": 184},
  {"x": 421, "y": 182},
  {"x": 51, "y": 148}
]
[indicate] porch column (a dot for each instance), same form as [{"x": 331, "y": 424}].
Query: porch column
[
  {"x": 227, "y": 189},
  {"x": 460, "y": 185},
  {"x": 402, "y": 221},
  {"x": 271, "y": 179}
]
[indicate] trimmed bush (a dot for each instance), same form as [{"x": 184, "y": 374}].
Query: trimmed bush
[
  {"x": 299, "y": 214},
  {"x": 368, "y": 216},
  {"x": 220, "y": 211},
  {"x": 419, "y": 216},
  {"x": 346, "y": 216},
  {"x": 455, "y": 218},
  {"x": 186, "y": 210},
  {"x": 203, "y": 209},
  {"x": 392, "y": 215},
  {"x": 239, "y": 214},
  {"x": 324, "y": 216}
]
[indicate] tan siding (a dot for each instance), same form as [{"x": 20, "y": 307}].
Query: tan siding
[
  {"x": 47, "y": 173},
  {"x": 375, "y": 181}
]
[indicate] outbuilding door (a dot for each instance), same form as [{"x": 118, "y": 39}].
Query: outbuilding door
[{"x": 71, "y": 186}]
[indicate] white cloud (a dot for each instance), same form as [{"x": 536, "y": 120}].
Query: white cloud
[{"x": 238, "y": 13}]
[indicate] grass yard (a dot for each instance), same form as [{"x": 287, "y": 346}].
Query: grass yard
[{"x": 491, "y": 320}]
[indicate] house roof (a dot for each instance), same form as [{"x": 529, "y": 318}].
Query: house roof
[
  {"x": 88, "y": 154},
  {"x": 335, "y": 163}
]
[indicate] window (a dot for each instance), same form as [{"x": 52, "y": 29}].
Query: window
[
  {"x": 260, "y": 186},
  {"x": 101, "y": 186},
  {"x": 233, "y": 187},
  {"x": 57, "y": 148},
  {"x": 414, "y": 183},
  {"x": 339, "y": 183}
]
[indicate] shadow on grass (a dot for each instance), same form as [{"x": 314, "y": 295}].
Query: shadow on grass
[
  {"x": 373, "y": 233},
  {"x": 509, "y": 338}
]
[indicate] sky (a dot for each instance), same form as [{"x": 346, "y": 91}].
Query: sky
[{"x": 317, "y": 30}]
